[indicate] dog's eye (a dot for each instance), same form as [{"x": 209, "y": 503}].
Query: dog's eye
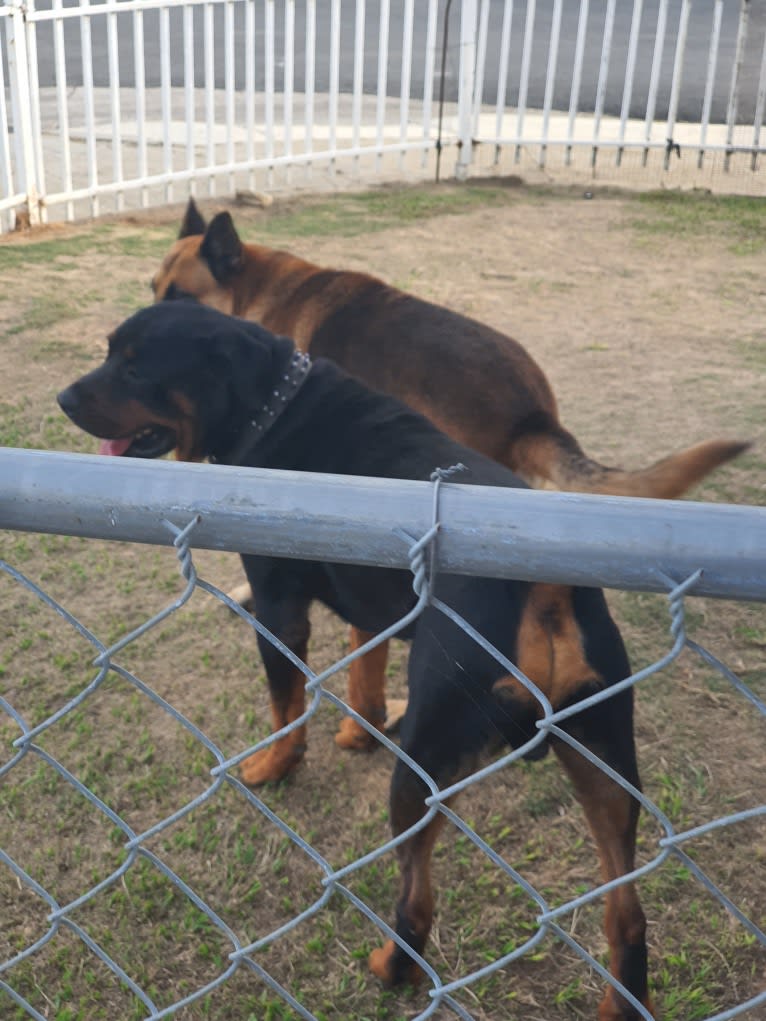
[{"x": 131, "y": 374}]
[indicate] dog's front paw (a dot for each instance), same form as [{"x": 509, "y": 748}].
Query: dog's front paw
[
  {"x": 393, "y": 967},
  {"x": 243, "y": 595},
  {"x": 614, "y": 1008},
  {"x": 271, "y": 764},
  {"x": 395, "y": 710},
  {"x": 354, "y": 738}
]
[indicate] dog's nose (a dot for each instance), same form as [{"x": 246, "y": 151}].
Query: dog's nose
[{"x": 68, "y": 400}]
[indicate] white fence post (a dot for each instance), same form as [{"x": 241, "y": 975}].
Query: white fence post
[
  {"x": 21, "y": 105},
  {"x": 466, "y": 86}
]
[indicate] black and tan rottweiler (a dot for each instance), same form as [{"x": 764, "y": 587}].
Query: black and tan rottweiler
[
  {"x": 478, "y": 385},
  {"x": 190, "y": 379}
]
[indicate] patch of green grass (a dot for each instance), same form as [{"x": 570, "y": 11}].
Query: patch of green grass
[
  {"x": 741, "y": 219},
  {"x": 366, "y": 212},
  {"x": 102, "y": 238},
  {"x": 48, "y": 310},
  {"x": 753, "y": 352},
  {"x": 13, "y": 430}
]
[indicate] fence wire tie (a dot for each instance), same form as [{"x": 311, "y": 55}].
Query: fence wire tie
[
  {"x": 181, "y": 543},
  {"x": 676, "y": 600},
  {"x": 423, "y": 577}
]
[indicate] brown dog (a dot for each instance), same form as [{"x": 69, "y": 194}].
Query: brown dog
[{"x": 476, "y": 384}]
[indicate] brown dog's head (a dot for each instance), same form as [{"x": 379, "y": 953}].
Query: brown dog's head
[
  {"x": 177, "y": 376},
  {"x": 203, "y": 263}
]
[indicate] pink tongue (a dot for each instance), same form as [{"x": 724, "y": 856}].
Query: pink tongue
[{"x": 115, "y": 448}]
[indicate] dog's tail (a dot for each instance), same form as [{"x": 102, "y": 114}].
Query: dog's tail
[{"x": 554, "y": 456}]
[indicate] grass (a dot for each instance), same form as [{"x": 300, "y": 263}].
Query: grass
[
  {"x": 700, "y": 745},
  {"x": 344, "y": 216},
  {"x": 699, "y": 215},
  {"x": 371, "y": 212}
]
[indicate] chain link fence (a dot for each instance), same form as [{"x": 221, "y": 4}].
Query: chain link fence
[{"x": 420, "y": 550}]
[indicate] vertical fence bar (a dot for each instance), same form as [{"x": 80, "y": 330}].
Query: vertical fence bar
[
  {"x": 630, "y": 72},
  {"x": 428, "y": 75},
  {"x": 166, "y": 101},
  {"x": 334, "y": 78},
  {"x": 481, "y": 63},
  {"x": 678, "y": 72},
  {"x": 288, "y": 90},
  {"x": 759, "y": 107},
  {"x": 474, "y": 44},
  {"x": 90, "y": 118},
  {"x": 574, "y": 95},
  {"x": 139, "y": 73},
  {"x": 114, "y": 104},
  {"x": 736, "y": 72},
  {"x": 502, "y": 73},
  {"x": 406, "y": 77},
  {"x": 249, "y": 42},
  {"x": 526, "y": 62},
  {"x": 466, "y": 77},
  {"x": 603, "y": 74},
  {"x": 62, "y": 108},
  {"x": 6, "y": 169},
  {"x": 380, "y": 99},
  {"x": 228, "y": 71},
  {"x": 311, "y": 35},
  {"x": 269, "y": 42},
  {"x": 358, "y": 83},
  {"x": 208, "y": 20},
  {"x": 550, "y": 77},
  {"x": 190, "y": 111},
  {"x": 34, "y": 97},
  {"x": 712, "y": 62},
  {"x": 654, "y": 77}
]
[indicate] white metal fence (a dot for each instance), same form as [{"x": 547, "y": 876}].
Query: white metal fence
[
  {"x": 110, "y": 103},
  {"x": 677, "y": 548}
]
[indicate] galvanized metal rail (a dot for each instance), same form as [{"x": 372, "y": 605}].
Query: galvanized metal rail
[{"x": 557, "y": 537}]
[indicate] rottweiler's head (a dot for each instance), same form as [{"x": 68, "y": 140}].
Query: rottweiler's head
[
  {"x": 204, "y": 262},
  {"x": 177, "y": 376}
]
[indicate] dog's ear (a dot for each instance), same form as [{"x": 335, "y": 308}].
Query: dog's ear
[
  {"x": 193, "y": 222},
  {"x": 221, "y": 248}
]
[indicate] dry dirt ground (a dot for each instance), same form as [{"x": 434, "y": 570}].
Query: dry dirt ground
[{"x": 647, "y": 313}]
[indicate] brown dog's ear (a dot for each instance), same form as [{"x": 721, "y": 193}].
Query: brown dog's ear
[
  {"x": 221, "y": 248},
  {"x": 193, "y": 222}
]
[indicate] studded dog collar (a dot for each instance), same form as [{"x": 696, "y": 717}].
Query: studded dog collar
[{"x": 295, "y": 375}]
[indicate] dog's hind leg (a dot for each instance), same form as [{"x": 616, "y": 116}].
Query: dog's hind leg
[
  {"x": 414, "y": 910},
  {"x": 366, "y": 693},
  {"x": 289, "y": 623},
  {"x": 612, "y": 814}
]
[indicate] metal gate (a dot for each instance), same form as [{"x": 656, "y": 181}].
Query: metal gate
[{"x": 110, "y": 104}]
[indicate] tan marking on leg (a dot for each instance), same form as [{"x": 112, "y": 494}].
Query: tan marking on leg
[
  {"x": 416, "y": 904},
  {"x": 612, "y": 815},
  {"x": 550, "y": 648},
  {"x": 366, "y": 693},
  {"x": 273, "y": 763}
]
